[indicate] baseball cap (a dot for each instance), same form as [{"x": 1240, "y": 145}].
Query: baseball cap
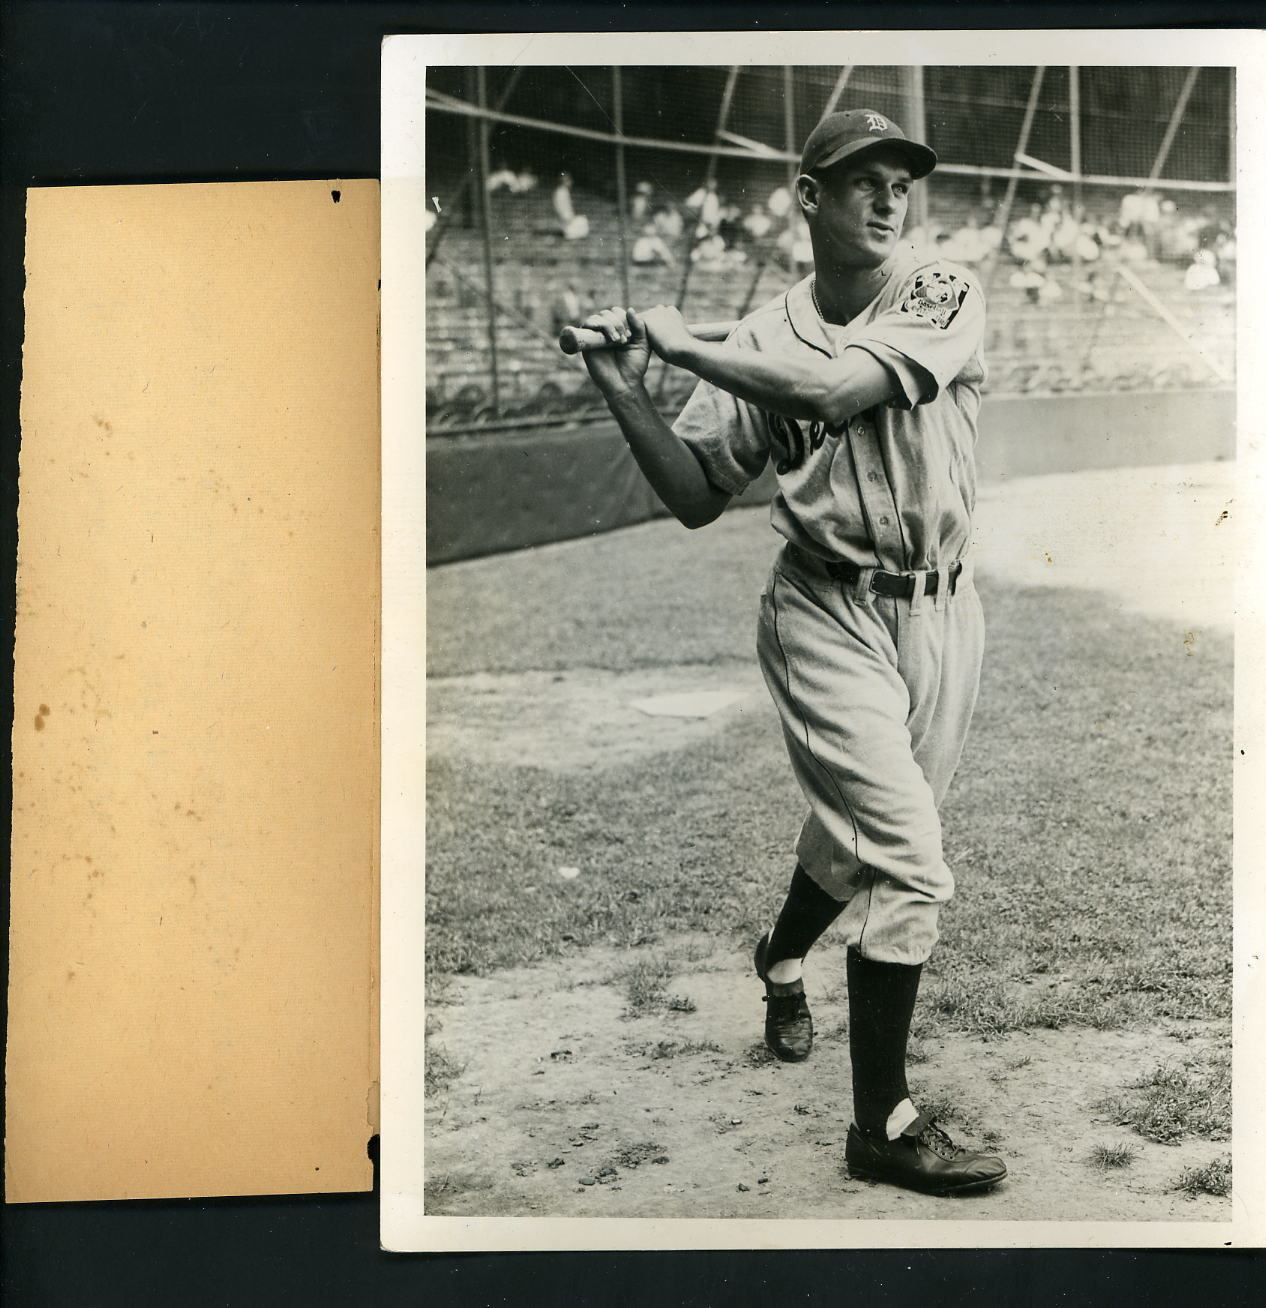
[{"x": 843, "y": 135}]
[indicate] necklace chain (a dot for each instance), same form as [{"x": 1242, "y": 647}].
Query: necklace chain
[{"x": 817, "y": 304}]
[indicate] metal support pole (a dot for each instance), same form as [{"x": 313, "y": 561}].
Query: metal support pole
[
  {"x": 473, "y": 200},
  {"x": 1148, "y": 296},
  {"x": 1022, "y": 145},
  {"x": 1175, "y": 119},
  {"x": 1230, "y": 131},
  {"x": 1074, "y": 158},
  {"x": 837, "y": 90},
  {"x": 723, "y": 117},
  {"x": 458, "y": 201},
  {"x": 621, "y": 181},
  {"x": 1074, "y": 123},
  {"x": 789, "y": 129},
  {"x": 723, "y": 114},
  {"x": 490, "y": 292},
  {"x": 916, "y": 126}
]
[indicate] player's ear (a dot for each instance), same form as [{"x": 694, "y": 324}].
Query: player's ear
[{"x": 808, "y": 189}]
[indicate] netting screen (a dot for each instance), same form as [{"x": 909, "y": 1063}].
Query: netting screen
[{"x": 1095, "y": 203}]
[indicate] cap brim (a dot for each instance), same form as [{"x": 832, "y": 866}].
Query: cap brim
[{"x": 922, "y": 158}]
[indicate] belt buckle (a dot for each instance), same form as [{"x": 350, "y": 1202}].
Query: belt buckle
[
  {"x": 902, "y": 584},
  {"x": 888, "y": 592}
]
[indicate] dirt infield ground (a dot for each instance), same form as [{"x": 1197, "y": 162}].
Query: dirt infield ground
[
  {"x": 566, "y": 1107},
  {"x": 553, "y": 1091}
]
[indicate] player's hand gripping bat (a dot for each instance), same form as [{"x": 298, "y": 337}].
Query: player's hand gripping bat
[{"x": 576, "y": 340}]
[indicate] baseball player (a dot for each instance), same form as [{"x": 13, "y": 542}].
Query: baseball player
[{"x": 861, "y": 384}]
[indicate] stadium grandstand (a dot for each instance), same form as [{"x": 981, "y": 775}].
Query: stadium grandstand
[{"x": 1097, "y": 204}]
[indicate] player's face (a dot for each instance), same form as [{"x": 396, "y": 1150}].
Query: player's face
[{"x": 861, "y": 208}]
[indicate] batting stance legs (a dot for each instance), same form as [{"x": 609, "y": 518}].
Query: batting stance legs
[{"x": 875, "y": 694}]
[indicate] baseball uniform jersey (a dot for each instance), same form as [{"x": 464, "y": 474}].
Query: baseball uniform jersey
[{"x": 875, "y": 692}]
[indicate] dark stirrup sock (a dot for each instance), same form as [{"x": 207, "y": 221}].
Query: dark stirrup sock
[
  {"x": 806, "y": 913},
  {"x": 880, "y": 1005}
]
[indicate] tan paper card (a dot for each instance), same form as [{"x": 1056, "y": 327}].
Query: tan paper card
[{"x": 195, "y": 741}]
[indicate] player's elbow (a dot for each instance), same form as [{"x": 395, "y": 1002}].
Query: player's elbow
[
  {"x": 822, "y": 402},
  {"x": 805, "y": 400},
  {"x": 834, "y": 406},
  {"x": 700, "y": 510},
  {"x": 698, "y": 515}
]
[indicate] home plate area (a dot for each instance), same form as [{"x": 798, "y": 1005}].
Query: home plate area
[{"x": 583, "y": 718}]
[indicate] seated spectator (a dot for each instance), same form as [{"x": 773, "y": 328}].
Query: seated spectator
[
  {"x": 667, "y": 223},
  {"x": 1149, "y": 220},
  {"x": 1208, "y": 228},
  {"x": 1089, "y": 242},
  {"x": 1111, "y": 238},
  {"x": 1132, "y": 248},
  {"x": 1049, "y": 292},
  {"x": 730, "y": 228},
  {"x": 705, "y": 204},
  {"x": 780, "y": 202},
  {"x": 502, "y": 179},
  {"x": 1192, "y": 226},
  {"x": 1064, "y": 238},
  {"x": 640, "y": 205},
  {"x": 574, "y": 226},
  {"x": 1173, "y": 237},
  {"x": 1027, "y": 240},
  {"x": 757, "y": 223},
  {"x": 1136, "y": 209},
  {"x": 794, "y": 243},
  {"x": 649, "y": 248},
  {"x": 1088, "y": 248},
  {"x": 1202, "y": 275},
  {"x": 1054, "y": 211},
  {"x": 709, "y": 252},
  {"x": 506, "y": 179}
]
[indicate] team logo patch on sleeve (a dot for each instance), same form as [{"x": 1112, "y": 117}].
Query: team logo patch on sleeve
[{"x": 936, "y": 296}]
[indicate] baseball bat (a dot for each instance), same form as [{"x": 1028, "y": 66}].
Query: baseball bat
[{"x": 576, "y": 340}]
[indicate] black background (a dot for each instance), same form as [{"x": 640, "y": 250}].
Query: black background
[{"x": 167, "y": 91}]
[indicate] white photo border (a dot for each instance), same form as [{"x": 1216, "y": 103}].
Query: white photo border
[{"x": 404, "y": 1224}]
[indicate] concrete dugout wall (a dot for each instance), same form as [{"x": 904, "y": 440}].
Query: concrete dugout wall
[{"x": 488, "y": 494}]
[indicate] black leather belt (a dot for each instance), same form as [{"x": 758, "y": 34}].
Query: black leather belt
[{"x": 897, "y": 585}]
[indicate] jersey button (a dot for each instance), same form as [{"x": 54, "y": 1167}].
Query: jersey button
[
  {"x": 883, "y": 522},
  {"x": 872, "y": 476}
]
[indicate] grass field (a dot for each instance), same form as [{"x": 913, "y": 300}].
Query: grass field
[{"x": 1089, "y": 827}]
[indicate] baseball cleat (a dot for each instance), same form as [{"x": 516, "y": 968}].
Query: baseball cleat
[
  {"x": 921, "y": 1158},
  {"x": 788, "y": 1024}
]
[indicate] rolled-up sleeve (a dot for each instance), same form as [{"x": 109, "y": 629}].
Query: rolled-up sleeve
[
  {"x": 728, "y": 436},
  {"x": 931, "y": 335}
]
